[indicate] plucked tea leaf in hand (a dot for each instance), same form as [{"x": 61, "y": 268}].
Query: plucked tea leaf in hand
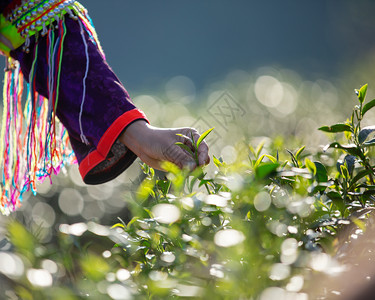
[
  {"x": 203, "y": 136},
  {"x": 185, "y": 147}
]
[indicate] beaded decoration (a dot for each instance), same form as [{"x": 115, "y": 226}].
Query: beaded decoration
[{"x": 35, "y": 144}]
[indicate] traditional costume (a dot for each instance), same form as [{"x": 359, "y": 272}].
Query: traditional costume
[{"x": 52, "y": 44}]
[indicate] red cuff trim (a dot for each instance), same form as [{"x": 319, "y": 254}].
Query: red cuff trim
[{"x": 108, "y": 139}]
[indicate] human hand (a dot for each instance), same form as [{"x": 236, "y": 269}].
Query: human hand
[{"x": 154, "y": 145}]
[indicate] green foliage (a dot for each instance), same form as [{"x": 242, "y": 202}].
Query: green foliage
[
  {"x": 251, "y": 225},
  {"x": 361, "y": 93},
  {"x": 336, "y": 128}
]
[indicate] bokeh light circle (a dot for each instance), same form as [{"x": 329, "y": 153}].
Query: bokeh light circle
[{"x": 71, "y": 202}]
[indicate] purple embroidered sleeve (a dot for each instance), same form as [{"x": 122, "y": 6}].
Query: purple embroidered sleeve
[{"x": 94, "y": 107}]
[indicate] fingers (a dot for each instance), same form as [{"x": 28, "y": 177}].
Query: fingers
[
  {"x": 203, "y": 157},
  {"x": 179, "y": 157},
  {"x": 191, "y": 133},
  {"x": 153, "y": 163},
  {"x": 173, "y": 154},
  {"x": 185, "y": 138}
]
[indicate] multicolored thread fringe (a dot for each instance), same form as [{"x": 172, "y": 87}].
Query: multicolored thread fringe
[{"x": 34, "y": 144}]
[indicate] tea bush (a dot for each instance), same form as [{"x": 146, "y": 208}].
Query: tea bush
[{"x": 258, "y": 228}]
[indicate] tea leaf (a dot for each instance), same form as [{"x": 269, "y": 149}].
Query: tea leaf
[
  {"x": 368, "y": 194},
  {"x": 259, "y": 148},
  {"x": 192, "y": 138},
  {"x": 145, "y": 168},
  {"x": 145, "y": 190},
  {"x": 192, "y": 182},
  {"x": 118, "y": 225},
  {"x": 299, "y": 151},
  {"x": 361, "y": 93},
  {"x": 344, "y": 171},
  {"x": 370, "y": 142},
  {"x": 340, "y": 127},
  {"x": 23, "y": 293},
  {"x": 350, "y": 163},
  {"x": 265, "y": 170},
  {"x": 321, "y": 172},
  {"x": 368, "y": 106},
  {"x": 364, "y": 133},
  {"x": 131, "y": 222},
  {"x": 351, "y": 148},
  {"x": 294, "y": 159},
  {"x": 203, "y": 136},
  {"x": 22, "y": 239},
  {"x": 337, "y": 201},
  {"x": 164, "y": 186},
  {"x": 252, "y": 150},
  {"x": 271, "y": 158},
  {"x": 260, "y": 159},
  {"x": 321, "y": 187},
  {"x": 310, "y": 165},
  {"x": 185, "y": 147},
  {"x": 217, "y": 162},
  {"x": 348, "y": 135},
  {"x": 359, "y": 176},
  {"x": 183, "y": 136}
]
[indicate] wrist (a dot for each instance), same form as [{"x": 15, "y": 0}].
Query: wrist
[{"x": 134, "y": 134}]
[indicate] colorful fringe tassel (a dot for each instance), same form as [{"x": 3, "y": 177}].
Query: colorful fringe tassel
[{"x": 35, "y": 144}]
